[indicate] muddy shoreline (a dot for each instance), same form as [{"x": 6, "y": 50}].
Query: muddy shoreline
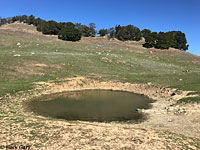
[{"x": 164, "y": 114}]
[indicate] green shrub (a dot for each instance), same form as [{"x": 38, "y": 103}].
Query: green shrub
[
  {"x": 190, "y": 100},
  {"x": 50, "y": 27},
  {"x": 194, "y": 93},
  {"x": 165, "y": 40},
  {"x": 129, "y": 32},
  {"x": 147, "y": 45},
  {"x": 69, "y": 34}
]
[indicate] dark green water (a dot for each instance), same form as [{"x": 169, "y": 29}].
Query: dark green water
[{"x": 91, "y": 105}]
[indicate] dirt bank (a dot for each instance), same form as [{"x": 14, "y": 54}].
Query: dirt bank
[{"x": 169, "y": 126}]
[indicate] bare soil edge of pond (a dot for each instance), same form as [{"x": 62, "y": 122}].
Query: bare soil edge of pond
[{"x": 167, "y": 121}]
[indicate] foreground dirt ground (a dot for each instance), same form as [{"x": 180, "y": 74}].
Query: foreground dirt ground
[{"x": 169, "y": 125}]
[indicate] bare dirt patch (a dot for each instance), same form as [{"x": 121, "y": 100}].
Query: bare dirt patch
[
  {"x": 25, "y": 68},
  {"x": 20, "y": 27},
  {"x": 41, "y": 65}
]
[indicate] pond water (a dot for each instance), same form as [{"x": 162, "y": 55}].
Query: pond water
[{"x": 91, "y": 105}]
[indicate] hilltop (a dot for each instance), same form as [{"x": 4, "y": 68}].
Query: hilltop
[
  {"x": 69, "y": 31},
  {"x": 33, "y": 64}
]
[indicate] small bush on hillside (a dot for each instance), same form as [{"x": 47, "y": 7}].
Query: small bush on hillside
[
  {"x": 147, "y": 45},
  {"x": 69, "y": 34}
]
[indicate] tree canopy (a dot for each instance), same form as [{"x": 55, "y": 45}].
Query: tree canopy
[
  {"x": 165, "y": 40},
  {"x": 69, "y": 33},
  {"x": 31, "y": 20},
  {"x": 50, "y": 27},
  {"x": 129, "y": 32},
  {"x": 103, "y": 32}
]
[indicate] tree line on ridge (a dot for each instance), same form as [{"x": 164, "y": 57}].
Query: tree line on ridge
[{"x": 74, "y": 31}]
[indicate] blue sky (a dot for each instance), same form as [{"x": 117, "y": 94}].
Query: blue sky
[{"x": 156, "y": 15}]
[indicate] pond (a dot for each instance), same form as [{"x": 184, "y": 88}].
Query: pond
[{"x": 91, "y": 105}]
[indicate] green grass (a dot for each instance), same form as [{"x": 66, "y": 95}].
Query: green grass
[
  {"x": 17, "y": 120},
  {"x": 13, "y": 87},
  {"x": 190, "y": 100},
  {"x": 194, "y": 93},
  {"x": 69, "y": 59}
]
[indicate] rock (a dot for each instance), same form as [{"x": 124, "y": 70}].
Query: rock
[
  {"x": 182, "y": 110},
  {"x": 186, "y": 70},
  {"x": 149, "y": 83},
  {"x": 173, "y": 94},
  {"x": 170, "y": 120},
  {"x": 18, "y": 44},
  {"x": 17, "y": 55}
]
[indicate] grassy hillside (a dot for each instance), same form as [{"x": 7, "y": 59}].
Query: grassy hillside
[{"x": 27, "y": 56}]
